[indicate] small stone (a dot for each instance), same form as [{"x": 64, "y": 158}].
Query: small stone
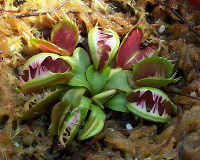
[
  {"x": 161, "y": 29},
  {"x": 128, "y": 126}
]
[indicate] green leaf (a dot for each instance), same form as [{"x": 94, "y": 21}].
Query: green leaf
[
  {"x": 153, "y": 72},
  {"x": 97, "y": 79},
  {"x": 105, "y": 94},
  {"x": 74, "y": 95},
  {"x": 118, "y": 103},
  {"x": 80, "y": 62},
  {"x": 103, "y": 45},
  {"x": 155, "y": 82},
  {"x": 119, "y": 81},
  {"x": 94, "y": 124},
  {"x": 59, "y": 112},
  {"x": 102, "y": 97},
  {"x": 113, "y": 72},
  {"x": 43, "y": 70},
  {"x": 72, "y": 123},
  {"x": 151, "y": 104},
  {"x": 40, "y": 101},
  {"x": 79, "y": 59}
]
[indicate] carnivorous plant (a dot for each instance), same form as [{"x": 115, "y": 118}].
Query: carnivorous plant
[{"x": 65, "y": 77}]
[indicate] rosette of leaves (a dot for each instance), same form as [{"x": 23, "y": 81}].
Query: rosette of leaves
[{"x": 89, "y": 87}]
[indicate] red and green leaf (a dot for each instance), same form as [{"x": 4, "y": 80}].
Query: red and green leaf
[
  {"x": 43, "y": 70},
  {"x": 153, "y": 72},
  {"x": 72, "y": 122},
  {"x": 129, "y": 52},
  {"x": 64, "y": 39},
  {"x": 47, "y": 46},
  {"x": 39, "y": 102},
  {"x": 65, "y": 35},
  {"x": 151, "y": 104},
  {"x": 103, "y": 45}
]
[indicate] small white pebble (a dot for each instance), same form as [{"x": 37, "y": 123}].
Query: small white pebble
[
  {"x": 161, "y": 29},
  {"x": 128, "y": 126},
  {"x": 12, "y": 47},
  {"x": 194, "y": 94},
  {"x": 16, "y": 144}
]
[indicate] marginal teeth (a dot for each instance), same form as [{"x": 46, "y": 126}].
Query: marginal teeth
[
  {"x": 68, "y": 69},
  {"x": 29, "y": 74},
  {"x": 152, "y": 103},
  {"x": 141, "y": 105},
  {"x": 40, "y": 71},
  {"x": 141, "y": 93},
  {"x": 155, "y": 96},
  {"x": 162, "y": 100},
  {"x": 154, "y": 110},
  {"x": 21, "y": 80},
  {"x": 38, "y": 62},
  {"x": 135, "y": 104},
  {"x": 164, "y": 113},
  {"x": 46, "y": 71}
]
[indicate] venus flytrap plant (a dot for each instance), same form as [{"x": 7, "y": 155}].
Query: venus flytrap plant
[{"x": 91, "y": 87}]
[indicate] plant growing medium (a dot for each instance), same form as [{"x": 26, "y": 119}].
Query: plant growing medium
[{"x": 83, "y": 89}]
